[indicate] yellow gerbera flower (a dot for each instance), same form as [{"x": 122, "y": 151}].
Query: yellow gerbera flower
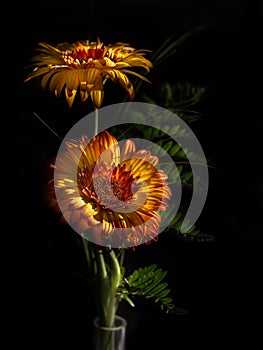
[
  {"x": 85, "y": 66},
  {"x": 110, "y": 196}
]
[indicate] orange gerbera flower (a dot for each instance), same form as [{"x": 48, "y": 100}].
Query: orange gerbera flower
[
  {"x": 108, "y": 195},
  {"x": 85, "y": 66}
]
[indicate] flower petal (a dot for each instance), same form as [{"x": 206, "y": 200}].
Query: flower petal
[
  {"x": 97, "y": 97},
  {"x": 128, "y": 149},
  {"x": 70, "y": 96}
]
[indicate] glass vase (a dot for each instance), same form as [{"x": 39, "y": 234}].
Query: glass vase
[{"x": 110, "y": 338}]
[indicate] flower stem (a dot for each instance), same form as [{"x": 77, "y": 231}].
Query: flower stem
[
  {"x": 47, "y": 126},
  {"x": 108, "y": 278},
  {"x": 96, "y": 121}
]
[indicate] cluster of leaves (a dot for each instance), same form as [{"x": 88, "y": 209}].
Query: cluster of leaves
[
  {"x": 148, "y": 282},
  {"x": 180, "y": 99}
]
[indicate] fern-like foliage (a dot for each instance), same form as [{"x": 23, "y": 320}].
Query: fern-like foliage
[
  {"x": 193, "y": 234},
  {"x": 181, "y": 98},
  {"x": 148, "y": 283}
]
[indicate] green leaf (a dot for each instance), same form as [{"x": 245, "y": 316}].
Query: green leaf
[
  {"x": 192, "y": 234},
  {"x": 175, "y": 149},
  {"x": 174, "y": 130},
  {"x": 186, "y": 177},
  {"x": 138, "y": 117},
  {"x": 167, "y": 146},
  {"x": 180, "y": 98},
  {"x": 175, "y": 219},
  {"x": 148, "y": 283},
  {"x": 155, "y": 291},
  {"x": 178, "y": 311}
]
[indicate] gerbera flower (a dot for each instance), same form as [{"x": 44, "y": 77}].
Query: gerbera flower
[
  {"x": 85, "y": 66},
  {"x": 108, "y": 195}
]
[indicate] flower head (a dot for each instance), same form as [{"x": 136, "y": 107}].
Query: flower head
[
  {"x": 107, "y": 194},
  {"x": 85, "y": 66}
]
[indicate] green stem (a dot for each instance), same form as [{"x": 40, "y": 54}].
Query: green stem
[
  {"x": 101, "y": 264},
  {"x": 87, "y": 253},
  {"x": 122, "y": 255},
  {"x": 107, "y": 282},
  {"x": 108, "y": 279},
  {"x": 47, "y": 126}
]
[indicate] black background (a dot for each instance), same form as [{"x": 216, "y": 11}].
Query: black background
[{"x": 218, "y": 282}]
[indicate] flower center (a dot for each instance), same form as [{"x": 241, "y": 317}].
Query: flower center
[
  {"x": 121, "y": 190},
  {"x": 112, "y": 187},
  {"x": 87, "y": 57}
]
